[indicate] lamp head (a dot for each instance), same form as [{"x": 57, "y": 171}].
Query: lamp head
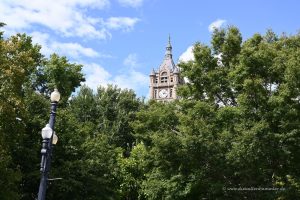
[
  {"x": 47, "y": 132},
  {"x": 54, "y": 139},
  {"x": 55, "y": 96}
]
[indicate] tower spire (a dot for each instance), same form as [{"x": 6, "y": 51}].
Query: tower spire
[{"x": 169, "y": 49}]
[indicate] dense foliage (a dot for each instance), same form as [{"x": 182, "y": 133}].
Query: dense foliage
[{"x": 236, "y": 126}]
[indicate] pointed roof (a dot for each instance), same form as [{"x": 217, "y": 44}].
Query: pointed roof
[
  {"x": 176, "y": 70},
  {"x": 152, "y": 73},
  {"x": 169, "y": 43},
  {"x": 168, "y": 63}
]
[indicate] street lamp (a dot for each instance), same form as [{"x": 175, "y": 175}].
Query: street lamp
[
  {"x": 46, "y": 135},
  {"x": 49, "y": 139},
  {"x": 54, "y": 139}
]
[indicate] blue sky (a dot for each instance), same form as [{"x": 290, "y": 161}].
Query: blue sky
[{"x": 120, "y": 41}]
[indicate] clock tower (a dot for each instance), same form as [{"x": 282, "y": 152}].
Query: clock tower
[{"x": 165, "y": 80}]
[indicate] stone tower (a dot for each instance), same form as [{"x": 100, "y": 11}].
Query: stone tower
[{"x": 165, "y": 80}]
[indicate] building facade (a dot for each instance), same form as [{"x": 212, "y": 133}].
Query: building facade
[{"x": 165, "y": 80}]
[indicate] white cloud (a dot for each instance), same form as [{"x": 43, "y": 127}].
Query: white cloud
[
  {"x": 122, "y": 23},
  {"x": 96, "y": 75},
  {"x": 56, "y": 20},
  {"x": 131, "y": 60},
  {"x": 188, "y": 55},
  {"x": 216, "y": 24},
  {"x": 65, "y": 17},
  {"x": 43, "y": 40},
  {"x": 73, "y": 50},
  {"x": 133, "y": 80},
  {"x": 128, "y": 77},
  {"x": 131, "y": 3}
]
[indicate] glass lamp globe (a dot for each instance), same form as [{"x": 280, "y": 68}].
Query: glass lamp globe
[
  {"x": 55, "y": 96},
  {"x": 47, "y": 132},
  {"x": 54, "y": 139}
]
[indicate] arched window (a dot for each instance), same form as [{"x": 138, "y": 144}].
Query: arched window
[{"x": 164, "y": 77}]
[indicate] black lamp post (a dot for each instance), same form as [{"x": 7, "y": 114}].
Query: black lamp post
[{"x": 49, "y": 138}]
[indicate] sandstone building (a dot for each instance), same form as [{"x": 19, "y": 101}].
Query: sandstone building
[{"x": 165, "y": 80}]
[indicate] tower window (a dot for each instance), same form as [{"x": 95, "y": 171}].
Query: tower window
[
  {"x": 171, "y": 91},
  {"x": 171, "y": 79},
  {"x": 156, "y": 80},
  {"x": 164, "y": 77},
  {"x": 155, "y": 93}
]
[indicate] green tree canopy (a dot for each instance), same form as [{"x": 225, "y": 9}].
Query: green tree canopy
[{"x": 235, "y": 126}]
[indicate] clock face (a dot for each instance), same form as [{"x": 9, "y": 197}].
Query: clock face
[{"x": 163, "y": 93}]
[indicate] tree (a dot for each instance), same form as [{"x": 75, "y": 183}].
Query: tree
[
  {"x": 210, "y": 74},
  {"x": 95, "y": 132},
  {"x": 117, "y": 109},
  {"x": 18, "y": 59},
  {"x": 131, "y": 172},
  {"x": 254, "y": 84},
  {"x": 27, "y": 79},
  {"x": 236, "y": 125},
  {"x": 50, "y": 73},
  {"x": 58, "y": 72}
]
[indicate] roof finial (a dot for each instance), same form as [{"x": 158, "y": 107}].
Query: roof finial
[
  {"x": 169, "y": 42},
  {"x": 169, "y": 48}
]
